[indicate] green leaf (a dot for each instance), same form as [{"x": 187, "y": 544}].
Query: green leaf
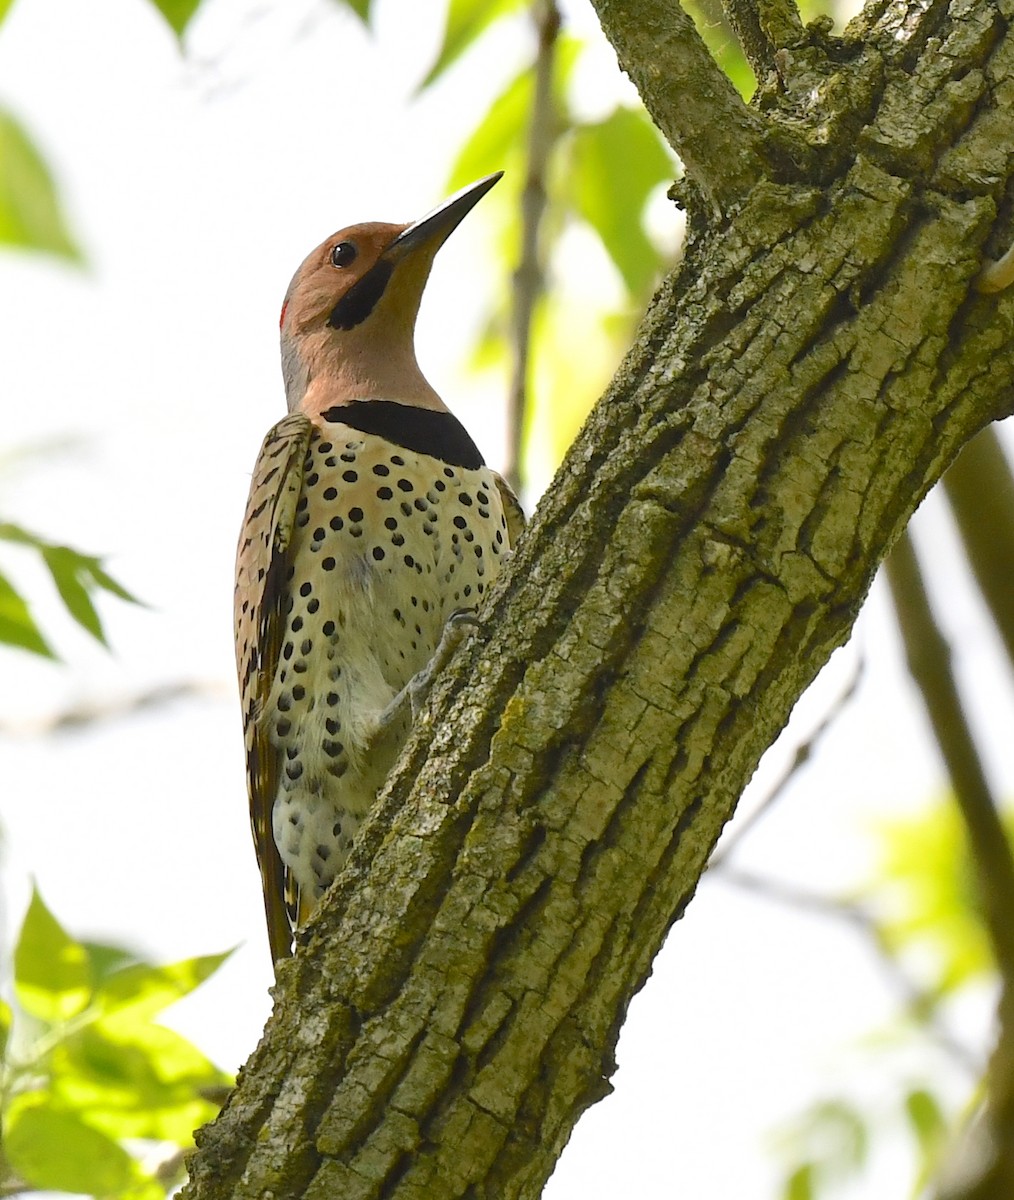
[
  {"x": 17, "y": 627},
  {"x": 52, "y": 974},
  {"x": 466, "y": 20},
  {"x": 927, "y": 884},
  {"x": 141, "y": 1081},
  {"x": 57, "y": 1150},
  {"x": 6, "y": 1022},
  {"x": 827, "y": 1142},
  {"x": 499, "y": 140},
  {"x": 926, "y": 1118},
  {"x": 565, "y": 385},
  {"x": 30, "y": 215},
  {"x": 75, "y": 575},
  {"x": 360, "y": 7},
  {"x": 108, "y": 584},
  {"x": 177, "y": 12},
  {"x": 5, "y": 7},
  {"x": 616, "y": 165},
  {"x": 140, "y": 990},
  {"x": 68, "y": 571},
  {"x": 105, "y": 960},
  {"x": 800, "y": 1184}
]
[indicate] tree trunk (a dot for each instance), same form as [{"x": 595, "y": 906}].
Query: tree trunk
[{"x": 798, "y": 384}]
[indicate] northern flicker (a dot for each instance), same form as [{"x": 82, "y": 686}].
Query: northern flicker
[{"x": 372, "y": 523}]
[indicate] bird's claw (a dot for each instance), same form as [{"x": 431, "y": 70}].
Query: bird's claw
[{"x": 414, "y": 692}]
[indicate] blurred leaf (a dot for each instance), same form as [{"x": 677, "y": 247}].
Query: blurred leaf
[
  {"x": 828, "y": 1141},
  {"x": 57, "y": 1150},
  {"x": 565, "y": 385},
  {"x": 102, "y": 1072},
  {"x": 361, "y": 8},
  {"x": 17, "y": 627},
  {"x": 927, "y": 883},
  {"x": 925, "y": 1117},
  {"x": 135, "y": 1081},
  {"x": 105, "y": 960},
  {"x": 30, "y": 215},
  {"x": 6, "y": 1021},
  {"x": 466, "y": 20},
  {"x": 68, "y": 572},
  {"x": 140, "y": 990},
  {"x": 177, "y": 12},
  {"x": 498, "y": 141},
  {"x": 75, "y": 575},
  {"x": 800, "y": 1184},
  {"x": 616, "y": 165},
  {"x": 52, "y": 975},
  {"x": 5, "y": 7}
]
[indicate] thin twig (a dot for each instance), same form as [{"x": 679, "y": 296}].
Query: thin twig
[
  {"x": 529, "y": 278},
  {"x": 802, "y": 755},
  {"x": 929, "y": 662},
  {"x": 915, "y": 998},
  {"x": 73, "y": 720}
]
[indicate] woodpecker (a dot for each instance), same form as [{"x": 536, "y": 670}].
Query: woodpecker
[{"x": 372, "y": 525}]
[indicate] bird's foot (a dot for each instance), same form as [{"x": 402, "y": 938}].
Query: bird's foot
[{"x": 414, "y": 693}]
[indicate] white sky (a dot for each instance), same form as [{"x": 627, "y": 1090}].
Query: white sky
[{"x": 196, "y": 186}]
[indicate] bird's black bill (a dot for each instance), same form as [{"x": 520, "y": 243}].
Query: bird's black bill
[
  {"x": 361, "y": 299},
  {"x": 442, "y": 220}
]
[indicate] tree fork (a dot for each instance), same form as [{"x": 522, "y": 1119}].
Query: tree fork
[{"x": 796, "y": 387}]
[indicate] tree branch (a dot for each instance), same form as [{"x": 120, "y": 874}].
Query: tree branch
[
  {"x": 781, "y": 23},
  {"x": 689, "y": 97},
  {"x": 764, "y": 27},
  {"x": 744, "y": 18},
  {"x": 529, "y": 279},
  {"x": 797, "y": 386},
  {"x": 929, "y": 662},
  {"x": 980, "y": 490}
]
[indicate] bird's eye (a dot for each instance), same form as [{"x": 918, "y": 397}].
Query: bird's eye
[{"x": 343, "y": 254}]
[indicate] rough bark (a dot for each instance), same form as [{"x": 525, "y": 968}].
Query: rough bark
[{"x": 796, "y": 387}]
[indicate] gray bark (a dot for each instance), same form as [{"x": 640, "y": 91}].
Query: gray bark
[{"x": 797, "y": 385}]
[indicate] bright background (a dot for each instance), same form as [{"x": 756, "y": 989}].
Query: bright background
[{"x": 135, "y": 394}]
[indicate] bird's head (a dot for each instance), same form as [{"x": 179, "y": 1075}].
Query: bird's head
[{"x": 348, "y": 318}]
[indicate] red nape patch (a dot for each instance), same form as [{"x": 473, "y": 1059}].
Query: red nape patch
[{"x": 281, "y": 317}]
